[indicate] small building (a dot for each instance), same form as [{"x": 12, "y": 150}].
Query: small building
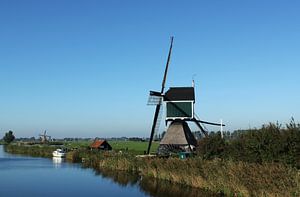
[{"x": 100, "y": 145}]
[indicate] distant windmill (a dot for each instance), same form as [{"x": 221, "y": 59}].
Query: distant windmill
[
  {"x": 179, "y": 102},
  {"x": 44, "y": 138}
]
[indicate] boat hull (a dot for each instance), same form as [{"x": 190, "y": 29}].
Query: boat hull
[{"x": 58, "y": 154}]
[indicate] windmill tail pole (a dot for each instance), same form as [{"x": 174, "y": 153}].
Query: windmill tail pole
[{"x": 200, "y": 127}]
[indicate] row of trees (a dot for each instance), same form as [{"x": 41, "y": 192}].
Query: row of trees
[
  {"x": 8, "y": 137},
  {"x": 270, "y": 143}
]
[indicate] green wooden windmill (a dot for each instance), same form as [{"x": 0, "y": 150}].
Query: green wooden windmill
[{"x": 179, "y": 102}]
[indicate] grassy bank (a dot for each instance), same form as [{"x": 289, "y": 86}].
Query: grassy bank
[
  {"x": 217, "y": 175},
  {"x": 31, "y": 150},
  {"x": 222, "y": 176}
]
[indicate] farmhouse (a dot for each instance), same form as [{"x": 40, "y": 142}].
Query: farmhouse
[{"x": 100, "y": 145}]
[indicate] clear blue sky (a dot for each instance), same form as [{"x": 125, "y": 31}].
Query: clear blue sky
[{"x": 84, "y": 68}]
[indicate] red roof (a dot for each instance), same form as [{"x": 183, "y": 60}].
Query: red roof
[{"x": 97, "y": 143}]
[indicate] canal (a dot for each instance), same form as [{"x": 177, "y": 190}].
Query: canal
[{"x": 34, "y": 176}]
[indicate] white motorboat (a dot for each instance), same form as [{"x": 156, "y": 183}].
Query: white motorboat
[{"x": 59, "y": 153}]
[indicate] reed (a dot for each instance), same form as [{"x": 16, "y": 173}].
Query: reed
[
  {"x": 223, "y": 176},
  {"x": 218, "y": 175},
  {"x": 31, "y": 150}
]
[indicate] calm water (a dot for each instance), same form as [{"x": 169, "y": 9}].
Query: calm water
[{"x": 28, "y": 176}]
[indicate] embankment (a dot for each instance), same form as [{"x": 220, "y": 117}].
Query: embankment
[
  {"x": 223, "y": 176},
  {"x": 31, "y": 150},
  {"x": 217, "y": 175}
]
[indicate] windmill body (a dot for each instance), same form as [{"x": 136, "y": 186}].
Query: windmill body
[
  {"x": 179, "y": 109},
  {"x": 45, "y": 138},
  {"x": 178, "y": 138},
  {"x": 179, "y": 102}
]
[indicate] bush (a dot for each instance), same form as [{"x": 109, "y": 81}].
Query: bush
[
  {"x": 270, "y": 143},
  {"x": 9, "y": 137}
]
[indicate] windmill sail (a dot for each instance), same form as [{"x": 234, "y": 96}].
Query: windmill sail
[{"x": 158, "y": 106}]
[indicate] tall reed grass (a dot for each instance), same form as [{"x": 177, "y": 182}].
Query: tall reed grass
[
  {"x": 31, "y": 150},
  {"x": 222, "y": 176},
  {"x": 218, "y": 175}
]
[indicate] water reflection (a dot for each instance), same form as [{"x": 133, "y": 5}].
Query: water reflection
[
  {"x": 122, "y": 178},
  {"x": 57, "y": 161},
  {"x": 159, "y": 188},
  {"x": 154, "y": 187}
]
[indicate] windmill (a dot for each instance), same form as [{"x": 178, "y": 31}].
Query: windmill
[
  {"x": 44, "y": 138},
  {"x": 179, "y": 102}
]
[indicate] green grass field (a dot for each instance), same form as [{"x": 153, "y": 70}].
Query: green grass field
[
  {"x": 133, "y": 146},
  {"x": 136, "y": 147},
  {"x": 77, "y": 144}
]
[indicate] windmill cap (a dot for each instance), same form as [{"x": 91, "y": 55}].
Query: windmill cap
[{"x": 180, "y": 94}]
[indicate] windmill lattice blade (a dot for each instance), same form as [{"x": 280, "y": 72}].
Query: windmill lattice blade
[
  {"x": 158, "y": 122},
  {"x": 157, "y": 109},
  {"x": 158, "y": 106},
  {"x": 154, "y": 100}
]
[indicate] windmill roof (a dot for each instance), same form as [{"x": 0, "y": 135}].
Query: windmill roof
[
  {"x": 180, "y": 94},
  {"x": 97, "y": 143}
]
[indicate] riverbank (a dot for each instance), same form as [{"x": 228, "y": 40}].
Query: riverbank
[
  {"x": 38, "y": 150},
  {"x": 217, "y": 175}
]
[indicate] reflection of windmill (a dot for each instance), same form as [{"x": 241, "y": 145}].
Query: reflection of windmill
[
  {"x": 179, "y": 109},
  {"x": 44, "y": 138}
]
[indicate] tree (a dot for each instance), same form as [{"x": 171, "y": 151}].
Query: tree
[{"x": 9, "y": 137}]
